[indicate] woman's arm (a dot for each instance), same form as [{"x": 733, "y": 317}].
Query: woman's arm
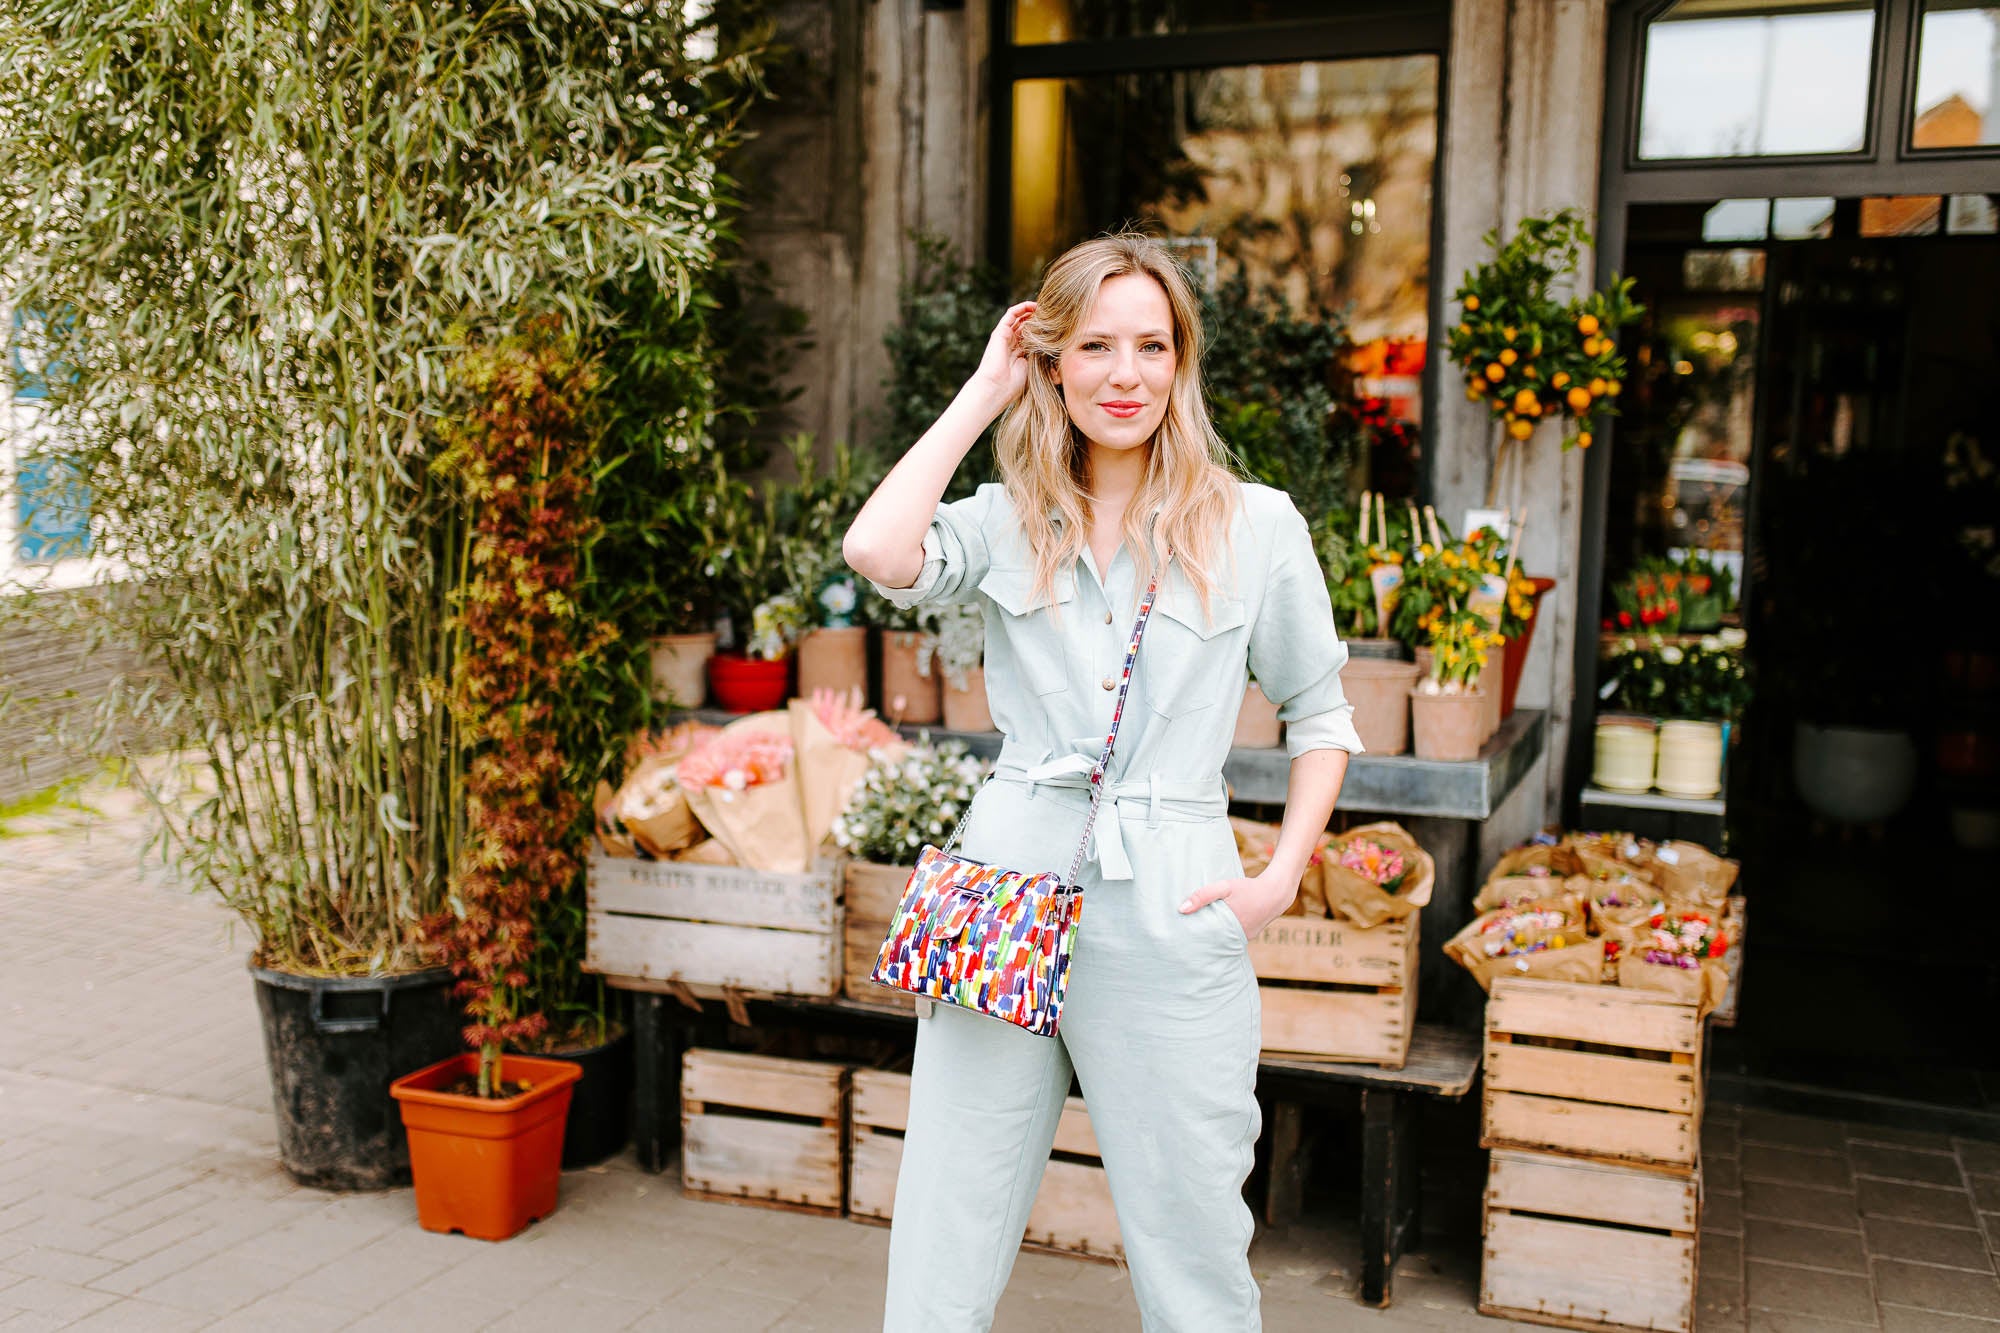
[
  {"x": 1310, "y": 793},
  {"x": 885, "y": 543}
]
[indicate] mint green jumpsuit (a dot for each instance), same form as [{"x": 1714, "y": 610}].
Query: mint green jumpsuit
[{"x": 1160, "y": 1025}]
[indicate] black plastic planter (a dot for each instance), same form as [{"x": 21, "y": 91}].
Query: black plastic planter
[
  {"x": 600, "y": 1107},
  {"x": 334, "y": 1044}
]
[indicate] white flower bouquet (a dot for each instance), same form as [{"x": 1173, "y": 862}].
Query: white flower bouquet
[{"x": 904, "y": 801}]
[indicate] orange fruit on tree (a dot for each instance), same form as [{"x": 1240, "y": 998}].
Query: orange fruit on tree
[
  {"x": 1472, "y": 392},
  {"x": 1508, "y": 333},
  {"x": 1528, "y": 370},
  {"x": 1587, "y": 325},
  {"x": 1496, "y": 372},
  {"x": 1472, "y": 303},
  {"x": 1583, "y": 439},
  {"x": 1508, "y": 356},
  {"x": 1591, "y": 346},
  {"x": 1579, "y": 399},
  {"x": 1526, "y": 403},
  {"x": 1559, "y": 380},
  {"x": 1520, "y": 428},
  {"x": 1597, "y": 388},
  {"x": 1612, "y": 387}
]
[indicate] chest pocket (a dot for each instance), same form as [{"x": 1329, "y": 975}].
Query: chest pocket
[
  {"x": 1022, "y": 639},
  {"x": 1187, "y": 657}
]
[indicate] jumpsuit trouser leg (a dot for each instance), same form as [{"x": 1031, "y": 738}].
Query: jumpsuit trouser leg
[{"x": 1161, "y": 1021}]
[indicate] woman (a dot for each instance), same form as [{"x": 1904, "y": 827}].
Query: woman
[{"x": 1112, "y": 472}]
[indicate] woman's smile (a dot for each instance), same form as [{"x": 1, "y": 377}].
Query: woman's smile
[{"x": 1123, "y": 408}]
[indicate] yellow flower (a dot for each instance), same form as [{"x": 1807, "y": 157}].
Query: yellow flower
[
  {"x": 1426, "y": 550},
  {"x": 1450, "y": 559}
]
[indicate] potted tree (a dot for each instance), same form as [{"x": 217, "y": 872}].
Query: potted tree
[
  {"x": 486, "y": 1128},
  {"x": 249, "y": 406}
]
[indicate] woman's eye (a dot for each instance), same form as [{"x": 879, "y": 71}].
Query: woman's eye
[{"x": 1156, "y": 347}]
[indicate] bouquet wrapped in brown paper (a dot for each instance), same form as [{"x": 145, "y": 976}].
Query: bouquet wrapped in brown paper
[
  {"x": 649, "y": 811},
  {"x": 1611, "y": 855},
  {"x": 1682, "y": 955},
  {"x": 1547, "y": 938},
  {"x": 743, "y": 785},
  {"x": 1372, "y": 874},
  {"x": 1544, "y": 859},
  {"x": 1690, "y": 874},
  {"x": 835, "y": 740},
  {"x": 1621, "y": 912}
]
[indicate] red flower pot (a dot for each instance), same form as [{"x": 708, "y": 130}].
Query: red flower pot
[
  {"x": 746, "y": 684},
  {"x": 486, "y": 1166},
  {"x": 1517, "y": 652}
]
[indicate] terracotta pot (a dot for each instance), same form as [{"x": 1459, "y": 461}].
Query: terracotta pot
[
  {"x": 680, "y": 668},
  {"x": 1424, "y": 657},
  {"x": 1495, "y": 672},
  {"x": 1390, "y": 649},
  {"x": 1627, "y": 750},
  {"x": 1256, "y": 721},
  {"x": 1517, "y": 651},
  {"x": 746, "y": 684},
  {"x": 834, "y": 659},
  {"x": 966, "y": 710},
  {"x": 1448, "y": 726},
  {"x": 1379, "y": 689},
  {"x": 1690, "y": 759},
  {"x": 486, "y": 1167},
  {"x": 922, "y": 698}
]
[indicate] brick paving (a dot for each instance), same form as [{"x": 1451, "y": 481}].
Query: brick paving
[{"x": 139, "y": 1186}]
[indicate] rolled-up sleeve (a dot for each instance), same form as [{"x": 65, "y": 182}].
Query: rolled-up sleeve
[
  {"x": 955, "y": 554},
  {"x": 1295, "y": 652}
]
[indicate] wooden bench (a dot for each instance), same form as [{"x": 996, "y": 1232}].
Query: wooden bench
[{"x": 1443, "y": 1063}]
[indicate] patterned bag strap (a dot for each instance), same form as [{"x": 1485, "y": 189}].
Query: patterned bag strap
[{"x": 1103, "y": 764}]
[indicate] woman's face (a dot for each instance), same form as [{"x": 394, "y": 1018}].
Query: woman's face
[{"x": 1118, "y": 371}]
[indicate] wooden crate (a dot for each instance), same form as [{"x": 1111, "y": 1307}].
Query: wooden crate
[
  {"x": 763, "y": 1130},
  {"x": 755, "y": 930},
  {"x": 1072, "y": 1213},
  {"x": 1582, "y": 1244},
  {"x": 1598, "y": 1071},
  {"x": 873, "y": 893},
  {"x": 1336, "y": 992}
]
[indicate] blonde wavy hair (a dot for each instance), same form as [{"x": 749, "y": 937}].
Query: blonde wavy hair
[{"x": 1044, "y": 459}]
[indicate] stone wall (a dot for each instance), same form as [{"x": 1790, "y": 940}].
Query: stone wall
[{"x": 51, "y": 681}]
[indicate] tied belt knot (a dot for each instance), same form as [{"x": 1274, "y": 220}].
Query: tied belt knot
[{"x": 1180, "y": 799}]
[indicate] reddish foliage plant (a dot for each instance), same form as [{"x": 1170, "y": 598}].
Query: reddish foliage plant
[{"x": 522, "y": 451}]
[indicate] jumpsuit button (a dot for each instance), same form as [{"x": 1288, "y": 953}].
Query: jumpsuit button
[
  {"x": 1107, "y": 617},
  {"x": 1107, "y": 682}
]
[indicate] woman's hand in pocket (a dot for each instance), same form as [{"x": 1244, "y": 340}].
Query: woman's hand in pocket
[{"x": 1257, "y": 901}]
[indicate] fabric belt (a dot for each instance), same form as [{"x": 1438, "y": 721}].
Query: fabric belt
[{"x": 1178, "y": 799}]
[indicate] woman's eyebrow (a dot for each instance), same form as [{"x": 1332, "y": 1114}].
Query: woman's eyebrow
[{"x": 1102, "y": 335}]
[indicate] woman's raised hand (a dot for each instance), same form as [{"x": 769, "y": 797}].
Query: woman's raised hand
[{"x": 1003, "y": 370}]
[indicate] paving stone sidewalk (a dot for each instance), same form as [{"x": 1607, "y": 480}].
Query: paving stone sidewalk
[{"x": 139, "y": 1186}]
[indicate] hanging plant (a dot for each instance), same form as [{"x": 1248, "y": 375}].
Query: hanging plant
[
  {"x": 1528, "y": 355},
  {"x": 522, "y": 452}
]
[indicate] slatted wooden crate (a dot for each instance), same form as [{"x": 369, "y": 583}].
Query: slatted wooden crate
[
  {"x": 1072, "y": 1213},
  {"x": 650, "y": 922},
  {"x": 1598, "y": 1071},
  {"x": 763, "y": 1130},
  {"x": 1583, "y": 1244},
  {"x": 873, "y": 893},
  {"x": 1336, "y": 992}
]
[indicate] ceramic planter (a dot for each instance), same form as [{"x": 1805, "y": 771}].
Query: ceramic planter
[
  {"x": 834, "y": 659},
  {"x": 1517, "y": 650},
  {"x": 1448, "y": 727},
  {"x": 1626, "y": 750},
  {"x": 486, "y": 1167},
  {"x": 921, "y": 698},
  {"x": 1856, "y": 774},
  {"x": 680, "y": 668},
  {"x": 1690, "y": 759},
  {"x": 1379, "y": 689},
  {"x": 966, "y": 710},
  {"x": 747, "y": 684}
]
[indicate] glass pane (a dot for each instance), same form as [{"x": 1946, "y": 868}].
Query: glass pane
[
  {"x": 1971, "y": 215},
  {"x": 1723, "y": 270},
  {"x": 1737, "y": 220},
  {"x": 1313, "y": 177},
  {"x": 1038, "y": 22},
  {"x": 1730, "y": 78},
  {"x": 1955, "y": 76},
  {"x": 1801, "y": 219},
  {"x": 1901, "y": 215}
]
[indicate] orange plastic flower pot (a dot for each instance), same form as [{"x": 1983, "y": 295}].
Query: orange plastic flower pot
[{"x": 486, "y": 1167}]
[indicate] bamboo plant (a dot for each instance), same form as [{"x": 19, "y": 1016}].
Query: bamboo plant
[{"x": 255, "y": 239}]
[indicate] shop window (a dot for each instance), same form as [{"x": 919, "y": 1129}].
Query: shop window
[
  {"x": 1952, "y": 104},
  {"x": 1755, "y": 78},
  {"x": 52, "y": 511},
  {"x": 1313, "y": 177},
  {"x": 1039, "y": 22}
]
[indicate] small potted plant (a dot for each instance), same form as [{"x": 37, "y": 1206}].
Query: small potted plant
[
  {"x": 1529, "y": 356},
  {"x": 1448, "y": 706},
  {"x": 911, "y": 691},
  {"x": 833, "y": 654},
  {"x": 902, "y": 802},
  {"x": 958, "y": 652}
]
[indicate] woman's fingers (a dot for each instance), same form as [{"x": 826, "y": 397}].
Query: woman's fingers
[{"x": 1207, "y": 894}]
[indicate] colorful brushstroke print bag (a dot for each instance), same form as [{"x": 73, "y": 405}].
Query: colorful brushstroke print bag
[{"x": 993, "y": 940}]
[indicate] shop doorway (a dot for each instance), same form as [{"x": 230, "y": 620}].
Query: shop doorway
[{"x": 1814, "y": 409}]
